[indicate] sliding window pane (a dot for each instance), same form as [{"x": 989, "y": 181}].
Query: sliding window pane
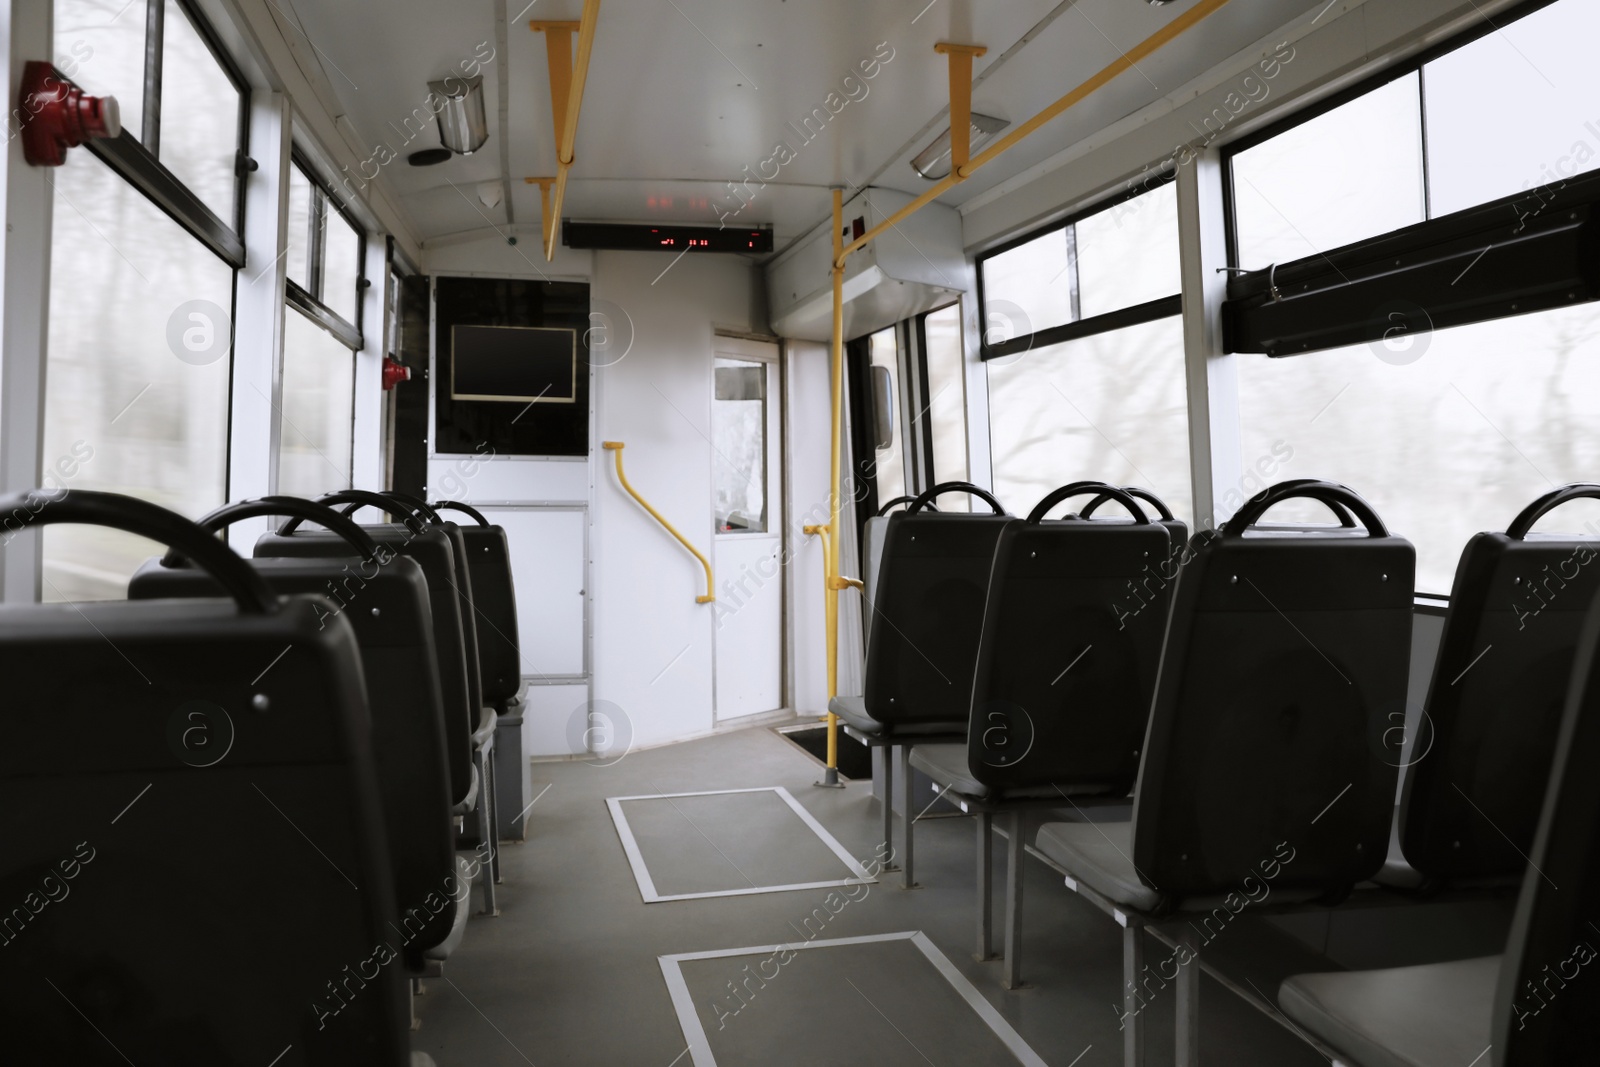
[
  {"x": 1453, "y": 436},
  {"x": 1352, "y": 173},
  {"x": 297, "y": 258},
  {"x": 99, "y": 45},
  {"x": 1109, "y": 407},
  {"x": 314, "y": 444},
  {"x": 137, "y": 400},
  {"x": 1515, "y": 109},
  {"x": 341, "y": 265},
  {"x": 1028, "y": 288},
  {"x": 1128, "y": 253},
  {"x": 946, "y": 413},
  {"x": 200, "y": 112}
]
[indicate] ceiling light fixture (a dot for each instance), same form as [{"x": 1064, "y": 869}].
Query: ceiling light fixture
[
  {"x": 933, "y": 162},
  {"x": 463, "y": 128}
]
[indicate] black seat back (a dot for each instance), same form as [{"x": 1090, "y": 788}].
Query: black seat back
[
  {"x": 431, "y": 549},
  {"x": 1471, "y": 803},
  {"x": 1283, "y": 653},
  {"x": 194, "y": 869},
  {"x": 495, "y": 599},
  {"x": 928, "y": 612},
  {"x": 1067, "y": 661},
  {"x": 1550, "y": 978},
  {"x": 385, "y": 599}
]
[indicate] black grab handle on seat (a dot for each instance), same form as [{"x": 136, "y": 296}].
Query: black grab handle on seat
[
  {"x": 1338, "y": 509},
  {"x": 1163, "y": 512},
  {"x": 1330, "y": 493},
  {"x": 1072, "y": 489},
  {"x": 926, "y": 499},
  {"x": 1549, "y": 502},
  {"x": 897, "y": 501},
  {"x": 360, "y": 497},
  {"x": 229, "y": 514},
  {"x": 417, "y": 505},
  {"x": 84, "y": 507},
  {"x": 466, "y": 509}
]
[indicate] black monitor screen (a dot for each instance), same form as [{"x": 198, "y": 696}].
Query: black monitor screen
[{"x": 514, "y": 363}]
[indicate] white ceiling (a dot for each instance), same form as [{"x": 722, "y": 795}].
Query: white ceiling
[{"x": 684, "y": 95}]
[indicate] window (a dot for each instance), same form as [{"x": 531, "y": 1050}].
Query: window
[
  {"x": 740, "y": 434},
  {"x": 138, "y": 377},
  {"x": 1515, "y": 108},
  {"x": 1445, "y": 436},
  {"x": 944, "y": 413},
  {"x": 1116, "y": 265},
  {"x": 1103, "y": 396},
  {"x": 327, "y": 250},
  {"x": 183, "y": 106},
  {"x": 315, "y": 427},
  {"x": 1505, "y": 112},
  {"x": 890, "y": 467},
  {"x": 1296, "y": 194},
  {"x": 1109, "y": 407}
]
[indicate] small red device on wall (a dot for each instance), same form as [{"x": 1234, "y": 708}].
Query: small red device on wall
[
  {"x": 394, "y": 373},
  {"x": 58, "y": 115}
]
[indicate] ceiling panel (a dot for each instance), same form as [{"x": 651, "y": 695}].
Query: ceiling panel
[{"x": 746, "y": 111}]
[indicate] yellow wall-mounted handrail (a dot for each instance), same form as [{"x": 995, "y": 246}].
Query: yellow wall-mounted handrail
[
  {"x": 617, "y": 447},
  {"x": 567, "y": 77},
  {"x": 960, "y": 58}
]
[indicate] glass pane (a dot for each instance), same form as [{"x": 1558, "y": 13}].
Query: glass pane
[
  {"x": 319, "y": 377},
  {"x": 1128, "y": 253},
  {"x": 341, "y": 265},
  {"x": 137, "y": 400},
  {"x": 1028, "y": 288},
  {"x": 199, "y": 116},
  {"x": 1352, "y": 173},
  {"x": 297, "y": 258},
  {"x": 739, "y": 437},
  {"x": 946, "y": 412},
  {"x": 99, "y": 44},
  {"x": 891, "y": 469},
  {"x": 1448, "y": 437},
  {"x": 1514, "y": 109},
  {"x": 1109, "y": 407}
]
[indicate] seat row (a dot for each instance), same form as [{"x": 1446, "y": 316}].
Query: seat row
[
  {"x": 246, "y": 806},
  {"x": 1235, "y": 707}
]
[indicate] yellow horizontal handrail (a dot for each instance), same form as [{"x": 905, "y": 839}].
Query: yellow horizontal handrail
[{"x": 617, "y": 447}]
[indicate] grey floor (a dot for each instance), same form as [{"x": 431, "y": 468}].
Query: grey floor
[{"x": 569, "y": 974}]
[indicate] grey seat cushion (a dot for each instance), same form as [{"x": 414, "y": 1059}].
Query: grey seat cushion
[
  {"x": 949, "y": 764},
  {"x": 1100, "y": 855},
  {"x": 1435, "y": 1015},
  {"x": 853, "y": 710}
]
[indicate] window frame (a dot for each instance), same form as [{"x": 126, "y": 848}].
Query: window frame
[
  {"x": 1410, "y": 65},
  {"x": 310, "y": 301},
  {"x": 1149, "y": 311},
  {"x": 139, "y": 163},
  {"x": 1417, "y": 265}
]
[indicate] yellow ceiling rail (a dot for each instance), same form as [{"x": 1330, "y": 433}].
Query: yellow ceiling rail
[
  {"x": 617, "y": 447},
  {"x": 567, "y": 78},
  {"x": 961, "y": 168}
]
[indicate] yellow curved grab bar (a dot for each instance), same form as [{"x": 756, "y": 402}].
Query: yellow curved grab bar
[{"x": 617, "y": 447}]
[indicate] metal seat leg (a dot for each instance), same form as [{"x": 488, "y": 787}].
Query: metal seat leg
[
  {"x": 1012, "y": 976},
  {"x": 889, "y": 858},
  {"x": 1132, "y": 1015},
  {"x": 908, "y": 817},
  {"x": 985, "y": 823}
]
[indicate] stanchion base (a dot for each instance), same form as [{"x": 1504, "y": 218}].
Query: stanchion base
[{"x": 830, "y": 779}]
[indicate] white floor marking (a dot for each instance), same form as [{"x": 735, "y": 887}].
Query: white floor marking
[
  {"x": 647, "y": 886},
  {"x": 700, "y": 1045}
]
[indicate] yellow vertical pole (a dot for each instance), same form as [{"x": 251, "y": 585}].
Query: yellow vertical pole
[
  {"x": 833, "y": 541},
  {"x": 960, "y": 56}
]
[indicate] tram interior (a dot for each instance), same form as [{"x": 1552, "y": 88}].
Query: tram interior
[{"x": 694, "y": 532}]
